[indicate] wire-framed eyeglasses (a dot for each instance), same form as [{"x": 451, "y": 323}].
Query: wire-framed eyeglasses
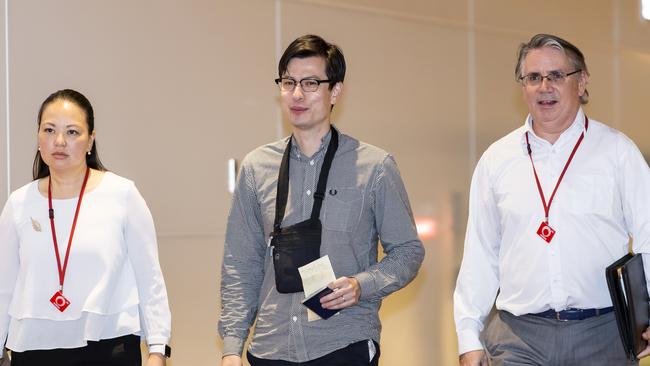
[{"x": 553, "y": 77}]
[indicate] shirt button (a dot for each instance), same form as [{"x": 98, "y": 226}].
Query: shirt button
[
  {"x": 308, "y": 192},
  {"x": 295, "y": 319},
  {"x": 311, "y": 162}
]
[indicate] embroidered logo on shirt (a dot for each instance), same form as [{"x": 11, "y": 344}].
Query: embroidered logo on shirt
[{"x": 35, "y": 225}]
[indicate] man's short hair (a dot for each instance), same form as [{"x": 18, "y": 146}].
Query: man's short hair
[
  {"x": 547, "y": 40},
  {"x": 311, "y": 45}
]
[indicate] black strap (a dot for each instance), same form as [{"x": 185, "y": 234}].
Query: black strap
[
  {"x": 283, "y": 181},
  {"x": 324, "y": 173},
  {"x": 283, "y": 188}
]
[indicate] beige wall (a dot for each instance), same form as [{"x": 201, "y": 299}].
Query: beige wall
[{"x": 179, "y": 87}]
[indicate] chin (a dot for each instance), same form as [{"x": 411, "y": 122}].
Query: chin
[{"x": 300, "y": 124}]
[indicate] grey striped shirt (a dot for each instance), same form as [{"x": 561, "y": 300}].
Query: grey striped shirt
[{"x": 365, "y": 201}]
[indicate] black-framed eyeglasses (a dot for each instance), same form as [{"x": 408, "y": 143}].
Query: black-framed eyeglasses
[
  {"x": 553, "y": 77},
  {"x": 306, "y": 84}
]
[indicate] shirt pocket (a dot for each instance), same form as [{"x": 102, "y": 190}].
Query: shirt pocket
[
  {"x": 591, "y": 194},
  {"x": 342, "y": 208}
]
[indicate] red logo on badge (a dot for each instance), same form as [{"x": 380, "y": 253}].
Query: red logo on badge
[
  {"x": 546, "y": 232},
  {"x": 59, "y": 301}
]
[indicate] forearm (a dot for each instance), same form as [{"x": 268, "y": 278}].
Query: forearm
[{"x": 393, "y": 272}]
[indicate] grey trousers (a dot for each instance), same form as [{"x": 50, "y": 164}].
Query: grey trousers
[{"x": 530, "y": 340}]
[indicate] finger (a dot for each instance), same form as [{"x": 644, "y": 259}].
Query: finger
[
  {"x": 339, "y": 284},
  {"x": 332, "y": 297},
  {"x": 338, "y": 302},
  {"x": 646, "y": 334},
  {"x": 644, "y": 353}
]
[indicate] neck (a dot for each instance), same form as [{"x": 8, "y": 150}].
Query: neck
[
  {"x": 66, "y": 183},
  {"x": 551, "y": 130},
  {"x": 310, "y": 140}
]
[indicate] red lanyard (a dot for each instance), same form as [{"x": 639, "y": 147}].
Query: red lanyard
[
  {"x": 63, "y": 268},
  {"x": 547, "y": 208}
]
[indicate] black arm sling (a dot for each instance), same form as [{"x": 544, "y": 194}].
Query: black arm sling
[{"x": 296, "y": 245}]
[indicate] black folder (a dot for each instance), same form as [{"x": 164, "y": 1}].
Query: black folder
[{"x": 627, "y": 287}]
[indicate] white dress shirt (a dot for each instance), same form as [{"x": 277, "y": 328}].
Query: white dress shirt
[
  {"x": 113, "y": 279},
  {"x": 603, "y": 199}
]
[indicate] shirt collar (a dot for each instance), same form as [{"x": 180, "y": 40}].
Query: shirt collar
[
  {"x": 577, "y": 127},
  {"x": 324, "y": 142}
]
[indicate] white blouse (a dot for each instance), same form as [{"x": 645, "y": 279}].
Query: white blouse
[{"x": 113, "y": 281}]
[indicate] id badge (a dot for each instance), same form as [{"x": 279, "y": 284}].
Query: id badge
[
  {"x": 59, "y": 301},
  {"x": 546, "y": 232}
]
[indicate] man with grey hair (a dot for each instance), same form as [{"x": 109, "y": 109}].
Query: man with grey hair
[{"x": 552, "y": 204}]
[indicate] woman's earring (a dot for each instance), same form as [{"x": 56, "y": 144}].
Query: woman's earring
[{"x": 88, "y": 152}]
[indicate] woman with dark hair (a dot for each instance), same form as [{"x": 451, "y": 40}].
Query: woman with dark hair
[{"x": 80, "y": 280}]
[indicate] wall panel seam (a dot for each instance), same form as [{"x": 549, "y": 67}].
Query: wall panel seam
[{"x": 7, "y": 113}]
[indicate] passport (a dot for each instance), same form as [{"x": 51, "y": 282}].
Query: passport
[{"x": 313, "y": 303}]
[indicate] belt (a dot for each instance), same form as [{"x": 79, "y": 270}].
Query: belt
[{"x": 573, "y": 314}]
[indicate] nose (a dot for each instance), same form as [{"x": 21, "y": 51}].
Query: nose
[
  {"x": 297, "y": 92},
  {"x": 545, "y": 85},
  {"x": 59, "y": 140}
]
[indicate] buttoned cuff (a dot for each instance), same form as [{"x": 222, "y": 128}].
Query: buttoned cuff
[
  {"x": 468, "y": 340},
  {"x": 232, "y": 346},
  {"x": 157, "y": 340},
  {"x": 367, "y": 284},
  {"x": 157, "y": 348}
]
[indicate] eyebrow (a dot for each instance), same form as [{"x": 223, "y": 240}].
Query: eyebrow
[
  {"x": 537, "y": 72},
  {"x": 306, "y": 77},
  {"x": 52, "y": 124}
]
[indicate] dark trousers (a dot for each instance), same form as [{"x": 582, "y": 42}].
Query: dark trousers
[
  {"x": 121, "y": 351},
  {"x": 355, "y": 354}
]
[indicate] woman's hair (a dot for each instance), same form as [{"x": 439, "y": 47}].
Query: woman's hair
[{"x": 40, "y": 169}]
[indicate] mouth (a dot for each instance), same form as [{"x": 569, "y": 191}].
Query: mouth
[
  {"x": 547, "y": 102},
  {"x": 297, "y": 109},
  {"x": 59, "y": 155}
]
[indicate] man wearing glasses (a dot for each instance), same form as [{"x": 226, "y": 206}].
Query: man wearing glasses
[
  {"x": 551, "y": 206},
  {"x": 342, "y": 213}
]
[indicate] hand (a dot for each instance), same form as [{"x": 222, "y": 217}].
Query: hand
[
  {"x": 231, "y": 360},
  {"x": 346, "y": 293},
  {"x": 473, "y": 358},
  {"x": 646, "y": 351},
  {"x": 156, "y": 359}
]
